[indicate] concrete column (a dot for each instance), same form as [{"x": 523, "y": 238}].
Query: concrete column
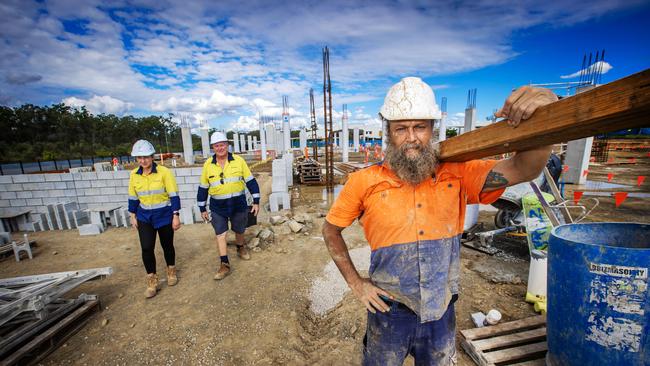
[
  {"x": 263, "y": 141},
  {"x": 279, "y": 142},
  {"x": 344, "y": 141},
  {"x": 286, "y": 130},
  {"x": 577, "y": 158},
  {"x": 235, "y": 141},
  {"x": 255, "y": 143},
  {"x": 242, "y": 143},
  {"x": 303, "y": 139},
  {"x": 270, "y": 137},
  {"x": 355, "y": 139},
  {"x": 205, "y": 142},
  {"x": 470, "y": 119},
  {"x": 442, "y": 132},
  {"x": 188, "y": 152},
  {"x": 251, "y": 147}
]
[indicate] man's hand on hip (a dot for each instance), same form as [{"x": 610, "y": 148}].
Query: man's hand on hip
[{"x": 369, "y": 294}]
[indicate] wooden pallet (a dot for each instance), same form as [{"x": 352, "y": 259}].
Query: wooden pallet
[
  {"x": 520, "y": 342},
  {"x": 49, "y": 340}
]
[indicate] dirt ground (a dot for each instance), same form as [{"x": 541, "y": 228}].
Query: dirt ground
[{"x": 260, "y": 315}]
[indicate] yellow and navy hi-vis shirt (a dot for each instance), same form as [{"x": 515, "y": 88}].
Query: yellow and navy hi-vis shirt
[
  {"x": 153, "y": 197},
  {"x": 226, "y": 187}
]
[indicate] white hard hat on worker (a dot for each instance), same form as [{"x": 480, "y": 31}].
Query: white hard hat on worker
[
  {"x": 410, "y": 99},
  {"x": 142, "y": 148},
  {"x": 218, "y": 137}
]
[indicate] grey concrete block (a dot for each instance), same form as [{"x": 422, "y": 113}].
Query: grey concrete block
[
  {"x": 97, "y": 183},
  {"x": 180, "y": 180},
  {"x": 122, "y": 174},
  {"x": 57, "y": 193},
  {"x": 5, "y": 179},
  {"x": 14, "y": 187},
  {"x": 122, "y": 190},
  {"x": 186, "y": 195},
  {"x": 90, "y": 229},
  {"x": 24, "y": 194},
  {"x": 44, "y": 221},
  {"x": 51, "y": 200},
  {"x": 3, "y": 188},
  {"x": 186, "y": 188},
  {"x": 277, "y": 198},
  {"x": 127, "y": 220},
  {"x": 52, "y": 177},
  {"x": 181, "y": 172},
  {"x": 22, "y": 178},
  {"x": 59, "y": 212},
  {"x": 36, "y": 178},
  {"x": 187, "y": 218},
  {"x": 92, "y": 191},
  {"x": 8, "y": 195},
  {"x": 81, "y": 217},
  {"x": 192, "y": 179},
  {"x": 60, "y": 185},
  {"x": 76, "y": 176},
  {"x": 88, "y": 176},
  {"x": 5, "y": 203},
  {"x": 197, "y": 171},
  {"x": 19, "y": 202},
  {"x": 40, "y": 186},
  {"x": 107, "y": 190},
  {"x": 51, "y": 217},
  {"x": 67, "y": 177},
  {"x": 40, "y": 194},
  {"x": 34, "y": 202},
  {"x": 105, "y": 175},
  {"x": 82, "y": 184},
  {"x": 69, "y": 185},
  {"x": 84, "y": 199}
]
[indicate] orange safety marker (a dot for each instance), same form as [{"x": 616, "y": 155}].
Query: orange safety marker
[
  {"x": 585, "y": 172},
  {"x": 565, "y": 168},
  {"x": 610, "y": 160},
  {"x": 619, "y": 197},
  {"x": 610, "y": 176},
  {"x": 576, "y": 196},
  {"x": 633, "y": 160},
  {"x": 648, "y": 154},
  {"x": 592, "y": 159},
  {"x": 639, "y": 180}
]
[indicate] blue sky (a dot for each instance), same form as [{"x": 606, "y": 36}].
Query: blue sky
[{"x": 225, "y": 62}]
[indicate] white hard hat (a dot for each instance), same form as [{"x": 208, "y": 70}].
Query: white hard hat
[
  {"x": 217, "y": 137},
  {"x": 410, "y": 99},
  {"x": 142, "y": 148}
]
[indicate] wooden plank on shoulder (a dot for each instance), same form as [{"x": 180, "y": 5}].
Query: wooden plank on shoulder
[{"x": 618, "y": 105}]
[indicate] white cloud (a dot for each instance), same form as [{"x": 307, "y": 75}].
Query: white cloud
[
  {"x": 217, "y": 104},
  {"x": 100, "y": 104},
  {"x": 601, "y": 66},
  {"x": 245, "y": 123}
]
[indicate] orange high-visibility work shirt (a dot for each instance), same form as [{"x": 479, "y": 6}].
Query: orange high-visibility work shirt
[{"x": 414, "y": 231}]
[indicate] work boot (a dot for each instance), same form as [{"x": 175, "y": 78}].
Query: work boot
[
  {"x": 171, "y": 276},
  {"x": 224, "y": 270},
  {"x": 152, "y": 285},
  {"x": 243, "y": 253}
]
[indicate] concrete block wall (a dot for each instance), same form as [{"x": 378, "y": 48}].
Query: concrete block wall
[{"x": 88, "y": 189}]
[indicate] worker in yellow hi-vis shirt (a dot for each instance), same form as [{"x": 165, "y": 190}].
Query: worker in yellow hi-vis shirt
[
  {"x": 224, "y": 178},
  {"x": 154, "y": 206}
]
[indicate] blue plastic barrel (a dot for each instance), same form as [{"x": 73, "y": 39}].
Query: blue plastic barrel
[{"x": 598, "y": 296}]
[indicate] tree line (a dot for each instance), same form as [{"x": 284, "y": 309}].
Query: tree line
[{"x": 31, "y": 133}]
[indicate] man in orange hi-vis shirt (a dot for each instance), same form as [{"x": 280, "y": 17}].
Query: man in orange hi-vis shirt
[{"x": 412, "y": 211}]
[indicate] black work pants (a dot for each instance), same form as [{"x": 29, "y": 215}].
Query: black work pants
[{"x": 147, "y": 235}]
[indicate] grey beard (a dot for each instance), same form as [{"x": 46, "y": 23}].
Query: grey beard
[{"x": 413, "y": 170}]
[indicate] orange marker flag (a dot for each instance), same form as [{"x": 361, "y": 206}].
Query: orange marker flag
[
  {"x": 565, "y": 168},
  {"x": 610, "y": 176},
  {"x": 592, "y": 159},
  {"x": 576, "y": 196},
  {"x": 648, "y": 154},
  {"x": 610, "y": 160},
  {"x": 639, "y": 180},
  {"x": 585, "y": 172},
  {"x": 633, "y": 160},
  {"x": 619, "y": 197}
]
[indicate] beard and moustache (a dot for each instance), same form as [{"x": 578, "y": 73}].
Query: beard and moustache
[{"x": 415, "y": 169}]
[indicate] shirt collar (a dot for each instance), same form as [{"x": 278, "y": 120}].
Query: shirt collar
[
  {"x": 214, "y": 158},
  {"x": 153, "y": 169}
]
